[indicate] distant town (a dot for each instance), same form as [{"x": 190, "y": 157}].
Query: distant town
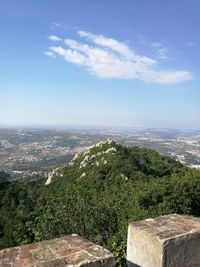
[{"x": 33, "y": 153}]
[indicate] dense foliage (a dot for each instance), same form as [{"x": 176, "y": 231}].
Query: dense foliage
[{"x": 96, "y": 196}]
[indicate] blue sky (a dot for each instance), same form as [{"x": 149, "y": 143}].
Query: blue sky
[{"x": 128, "y": 63}]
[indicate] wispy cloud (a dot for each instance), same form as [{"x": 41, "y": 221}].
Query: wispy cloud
[
  {"x": 49, "y": 53},
  {"x": 54, "y": 38},
  {"x": 109, "y": 58},
  {"x": 55, "y": 24},
  {"x": 161, "y": 50},
  {"x": 191, "y": 44}
]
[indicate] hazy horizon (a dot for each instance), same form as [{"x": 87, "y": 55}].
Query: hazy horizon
[{"x": 55, "y": 126}]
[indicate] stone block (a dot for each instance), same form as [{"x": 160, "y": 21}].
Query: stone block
[
  {"x": 165, "y": 241},
  {"x": 67, "y": 251}
]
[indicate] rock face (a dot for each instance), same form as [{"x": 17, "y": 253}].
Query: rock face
[
  {"x": 68, "y": 251},
  {"x": 93, "y": 156},
  {"x": 166, "y": 241}
]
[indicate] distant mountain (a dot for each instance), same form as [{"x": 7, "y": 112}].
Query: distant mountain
[
  {"x": 171, "y": 133},
  {"x": 109, "y": 159}
]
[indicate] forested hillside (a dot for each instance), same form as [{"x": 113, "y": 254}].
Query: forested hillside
[{"x": 96, "y": 195}]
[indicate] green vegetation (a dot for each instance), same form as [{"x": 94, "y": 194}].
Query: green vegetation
[{"x": 96, "y": 196}]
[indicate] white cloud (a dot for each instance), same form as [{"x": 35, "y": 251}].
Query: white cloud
[
  {"x": 49, "y": 53},
  {"x": 109, "y": 58},
  {"x": 108, "y": 42},
  {"x": 69, "y": 55},
  {"x": 166, "y": 77},
  {"x": 54, "y": 38}
]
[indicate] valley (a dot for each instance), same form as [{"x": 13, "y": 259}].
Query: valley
[{"x": 33, "y": 153}]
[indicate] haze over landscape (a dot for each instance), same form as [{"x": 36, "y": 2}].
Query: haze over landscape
[{"x": 111, "y": 63}]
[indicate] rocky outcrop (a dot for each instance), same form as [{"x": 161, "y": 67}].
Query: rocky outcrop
[{"x": 82, "y": 159}]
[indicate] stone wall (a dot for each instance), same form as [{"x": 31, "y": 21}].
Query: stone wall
[
  {"x": 67, "y": 251},
  {"x": 166, "y": 241}
]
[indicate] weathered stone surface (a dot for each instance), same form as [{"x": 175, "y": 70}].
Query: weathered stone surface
[
  {"x": 166, "y": 241},
  {"x": 67, "y": 251}
]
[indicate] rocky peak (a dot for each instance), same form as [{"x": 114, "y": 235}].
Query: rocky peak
[
  {"x": 94, "y": 156},
  {"x": 94, "y": 152}
]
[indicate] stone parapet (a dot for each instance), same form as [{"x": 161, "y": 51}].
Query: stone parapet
[
  {"x": 67, "y": 251},
  {"x": 165, "y": 241}
]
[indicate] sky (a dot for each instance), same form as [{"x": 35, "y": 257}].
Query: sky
[{"x": 129, "y": 63}]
